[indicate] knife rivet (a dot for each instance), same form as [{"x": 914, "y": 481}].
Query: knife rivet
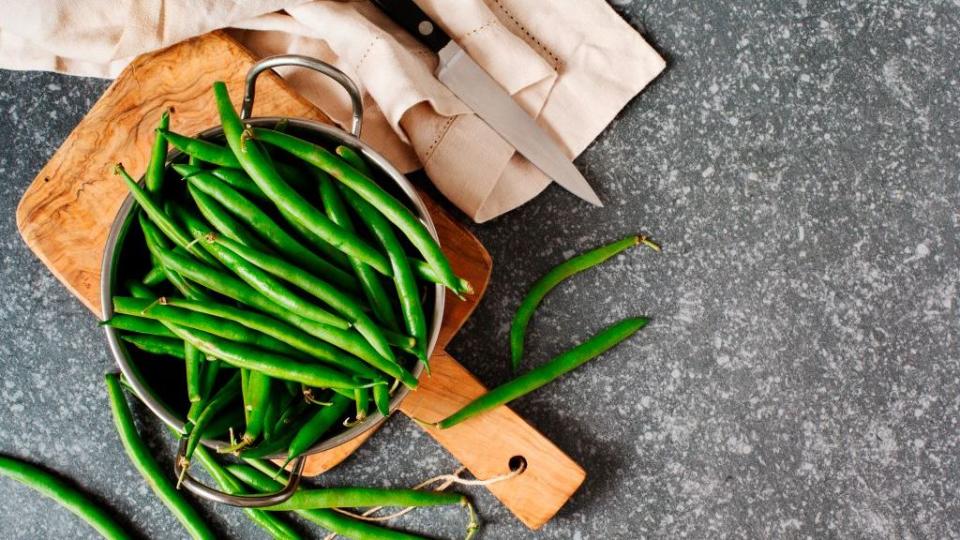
[{"x": 425, "y": 28}]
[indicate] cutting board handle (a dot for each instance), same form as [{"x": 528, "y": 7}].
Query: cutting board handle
[{"x": 489, "y": 444}]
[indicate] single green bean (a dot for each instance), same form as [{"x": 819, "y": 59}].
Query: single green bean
[
  {"x": 606, "y": 339},
  {"x": 326, "y": 292},
  {"x": 407, "y": 290},
  {"x": 381, "y": 398},
  {"x": 361, "y": 396},
  {"x": 425, "y": 272},
  {"x": 194, "y": 360},
  {"x": 156, "y": 345},
  {"x": 200, "y": 149},
  {"x": 369, "y": 280},
  {"x": 261, "y": 223},
  {"x": 148, "y": 467},
  {"x": 65, "y": 494},
  {"x": 256, "y": 163},
  {"x": 274, "y": 365},
  {"x": 155, "y": 276},
  {"x": 393, "y": 209},
  {"x": 162, "y": 310},
  {"x": 160, "y": 218},
  {"x": 223, "y": 222},
  {"x": 228, "y": 483},
  {"x": 157, "y": 166},
  {"x": 137, "y": 324},
  {"x": 328, "y": 519},
  {"x": 317, "y": 426},
  {"x": 350, "y": 497},
  {"x": 551, "y": 279}
]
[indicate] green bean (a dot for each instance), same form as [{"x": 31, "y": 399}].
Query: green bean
[
  {"x": 229, "y": 484},
  {"x": 425, "y": 272},
  {"x": 223, "y": 222},
  {"x": 222, "y": 283},
  {"x": 274, "y": 365},
  {"x": 293, "y": 336},
  {"x": 349, "y": 497},
  {"x": 264, "y": 225},
  {"x": 156, "y": 243},
  {"x": 317, "y": 426},
  {"x": 381, "y": 398},
  {"x": 327, "y": 293},
  {"x": 328, "y": 519},
  {"x": 161, "y": 219},
  {"x": 209, "y": 379},
  {"x": 153, "y": 179},
  {"x": 553, "y": 278},
  {"x": 228, "y": 420},
  {"x": 541, "y": 375},
  {"x": 275, "y": 408},
  {"x": 139, "y": 325},
  {"x": 369, "y": 280},
  {"x": 286, "y": 429},
  {"x": 64, "y": 493},
  {"x": 394, "y": 210},
  {"x": 194, "y": 361},
  {"x": 155, "y": 276},
  {"x": 255, "y": 162},
  {"x": 148, "y": 467},
  {"x": 361, "y": 396},
  {"x": 259, "y": 280},
  {"x": 238, "y": 180},
  {"x": 256, "y": 394},
  {"x": 163, "y": 311},
  {"x": 407, "y": 290},
  {"x": 201, "y": 149},
  {"x": 347, "y": 340},
  {"x": 155, "y": 345},
  {"x": 217, "y": 403}
]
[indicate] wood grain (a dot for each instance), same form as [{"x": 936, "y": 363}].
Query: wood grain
[{"x": 65, "y": 214}]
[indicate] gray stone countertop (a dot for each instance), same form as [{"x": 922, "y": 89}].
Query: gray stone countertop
[{"x": 799, "y": 162}]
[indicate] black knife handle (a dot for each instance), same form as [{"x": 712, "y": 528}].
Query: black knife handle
[{"x": 412, "y": 19}]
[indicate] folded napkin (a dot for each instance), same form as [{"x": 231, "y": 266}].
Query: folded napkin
[{"x": 573, "y": 64}]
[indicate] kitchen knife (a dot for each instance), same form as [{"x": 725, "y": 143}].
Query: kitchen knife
[{"x": 479, "y": 91}]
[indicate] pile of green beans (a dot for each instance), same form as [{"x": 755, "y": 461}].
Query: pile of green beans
[
  {"x": 282, "y": 285},
  {"x": 293, "y": 300}
]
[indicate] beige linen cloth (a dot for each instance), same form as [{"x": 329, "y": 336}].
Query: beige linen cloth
[{"x": 573, "y": 64}]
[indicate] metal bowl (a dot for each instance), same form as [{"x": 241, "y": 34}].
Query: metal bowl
[{"x": 319, "y": 133}]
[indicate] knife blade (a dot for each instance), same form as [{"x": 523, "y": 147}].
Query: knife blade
[{"x": 485, "y": 97}]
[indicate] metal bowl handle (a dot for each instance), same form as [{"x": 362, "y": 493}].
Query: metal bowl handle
[
  {"x": 270, "y": 62},
  {"x": 244, "y": 501}
]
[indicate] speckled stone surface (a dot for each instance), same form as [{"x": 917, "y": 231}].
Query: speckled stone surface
[{"x": 800, "y": 163}]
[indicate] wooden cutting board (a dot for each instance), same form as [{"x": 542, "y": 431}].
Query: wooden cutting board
[{"x": 66, "y": 212}]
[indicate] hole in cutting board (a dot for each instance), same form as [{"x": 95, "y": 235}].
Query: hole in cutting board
[{"x": 517, "y": 462}]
